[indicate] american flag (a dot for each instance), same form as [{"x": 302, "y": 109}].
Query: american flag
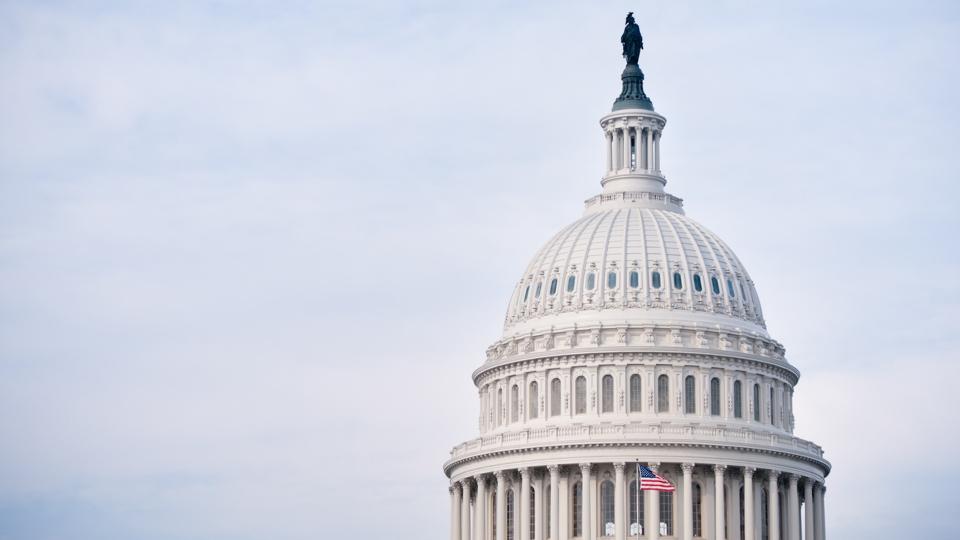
[{"x": 650, "y": 481}]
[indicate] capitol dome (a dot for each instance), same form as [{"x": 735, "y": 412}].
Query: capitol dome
[{"x": 635, "y": 337}]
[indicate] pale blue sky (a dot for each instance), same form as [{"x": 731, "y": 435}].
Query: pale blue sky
[{"x": 250, "y": 252}]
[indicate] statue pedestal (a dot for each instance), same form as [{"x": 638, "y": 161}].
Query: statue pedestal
[{"x": 632, "y": 96}]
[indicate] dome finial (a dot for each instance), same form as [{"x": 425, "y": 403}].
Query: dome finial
[{"x": 632, "y": 95}]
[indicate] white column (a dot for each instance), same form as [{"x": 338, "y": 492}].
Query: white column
[
  {"x": 793, "y": 508},
  {"x": 626, "y": 148},
  {"x": 656, "y": 151},
  {"x": 748, "y": 533},
  {"x": 618, "y": 505},
  {"x": 455, "y": 494},
  {"x": 465, "y": 511},
  {"x": 480, "y": 508},
  {"x": 524, "y": 525},
  {"x": 652, "y": 502},
  {"x": 720, "y": 517},
  {"x": 554, "y": 501},
  {"x": 650, "y": 166},
  {"x": 564, "y": 511},
  {"x": 821, "y": 515},
  {"x": 501, "y": 509},
  {"x": 608, "y": 139},
  {"x": 587, "y": 518},
  {"x": 538, "y": 512},
  {"x": 773, "y": 506},
  {"x": 687, "y": 500},
  {"x": 808, "y": 519},
  {"x": 618, "y": 149}
]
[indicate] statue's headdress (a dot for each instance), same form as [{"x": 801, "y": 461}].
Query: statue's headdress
[{"x": 630, "y": 18}]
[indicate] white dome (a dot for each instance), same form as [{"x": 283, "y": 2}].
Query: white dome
[{"x": 605, "y": 267}]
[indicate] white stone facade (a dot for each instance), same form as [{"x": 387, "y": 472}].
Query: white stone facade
[{"x": 636, "y": 335}]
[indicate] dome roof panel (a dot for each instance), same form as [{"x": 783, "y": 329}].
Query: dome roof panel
[{"x": 640, "y": 261}]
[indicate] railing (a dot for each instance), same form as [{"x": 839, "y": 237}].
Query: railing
[{"x": 641, "y": 433}]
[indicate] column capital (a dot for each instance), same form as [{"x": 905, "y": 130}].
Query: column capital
[
  {"x": 480, "y": 478},
  {"x": 585, "y": 467},
  {"x": 654, "y": 466},
  {"x": 618, "y": 467},
  {"x": 748, "y": 471},
  {"x": 553, "y": 469},
  {"x": 524, "y": 472},
  {"x": 719, "y": 469},
  {"x": 450, "y": 489},
  {"x": 457, "y": 487},
  {"x": 794, "y": 478},
  {"x": 687, "y": 467},
  {"x": 499, "y": 476},
  {"x": 773, "y": 474}
]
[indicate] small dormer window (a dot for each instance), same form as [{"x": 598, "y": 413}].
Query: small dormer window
[
  {"x": 611, "y": 280},
  {"x": 536, "y": 293},
  {"x": 591, "y": 281},
  {"x": 526, "y": 293},
  {"x": 571, "y": 283},
  {"x": 697, "y": 283},
  {"x": 655, "y": 280},
  {"x": 715, "y": 284},
  {"x": 634, "y": 279},
  {"x": 730, "y": 290},
  {"x": 677, "y": 281},
  {"x": 553, "y": 286}
]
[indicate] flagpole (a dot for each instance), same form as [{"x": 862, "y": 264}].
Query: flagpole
[{"x": 638, "y": 499}]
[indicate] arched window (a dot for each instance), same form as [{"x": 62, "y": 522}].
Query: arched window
[
  {"x": 771, "y": 406},
  {"x": 553, "y": 286},
  {"x": 634, "y": 279},
  {"x": 606, "y": 507},
  {"x": 607, "y": 393},
  {"x": 690, "y": 395},
  {"x": 533, "y": 400},
  {"x": 634, "y": 521},
  {"x": 677, "y": 281},
  {"x": 636, "y": 398},
  {"x": 737, "y": 400},
  {"x": 764, "y": 515},
  {"x": 715, "y": 396},
  {"x": 666, "y": 510},
  {"x": 591, "y": 281},
  {"x": 611, "y": 280},
  {"x": 663, "y": 394},
  {"x": 756, "y": 402},
  {"x": 493, "y": 520},
  {"x": 514, "y": 403},
  {"x": 499, "y": 406},
  {"x": 536, "y": 293},
  {"x": 715, "y": 285},
  {"x": 532, "y": 513},
  {"x": 730, "y": 290},
  {"x": 697, "y": 511},
  {"x": 510, "y": 516},
  {"x": 555, "y": 397},
  {"x": 526, "y": 293},
  {"x": 697, "y": 283},
  {"x": 578, "y": 509},
  {"x": 655, "y": 280},
  {"x": 571, "y": 283},
  {"x": 580, "y": 396},
  {"x": 546, "y": 510}
]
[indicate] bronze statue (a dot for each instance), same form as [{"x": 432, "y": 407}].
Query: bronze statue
[{"x": 632, "y": 40}]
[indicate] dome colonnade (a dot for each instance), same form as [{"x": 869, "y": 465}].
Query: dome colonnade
[
  {"x": 636, "y": 335},
  {"x": 718, "y": 501}
]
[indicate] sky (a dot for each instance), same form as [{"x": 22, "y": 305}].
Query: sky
[{"x": 250, "y": 252}]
